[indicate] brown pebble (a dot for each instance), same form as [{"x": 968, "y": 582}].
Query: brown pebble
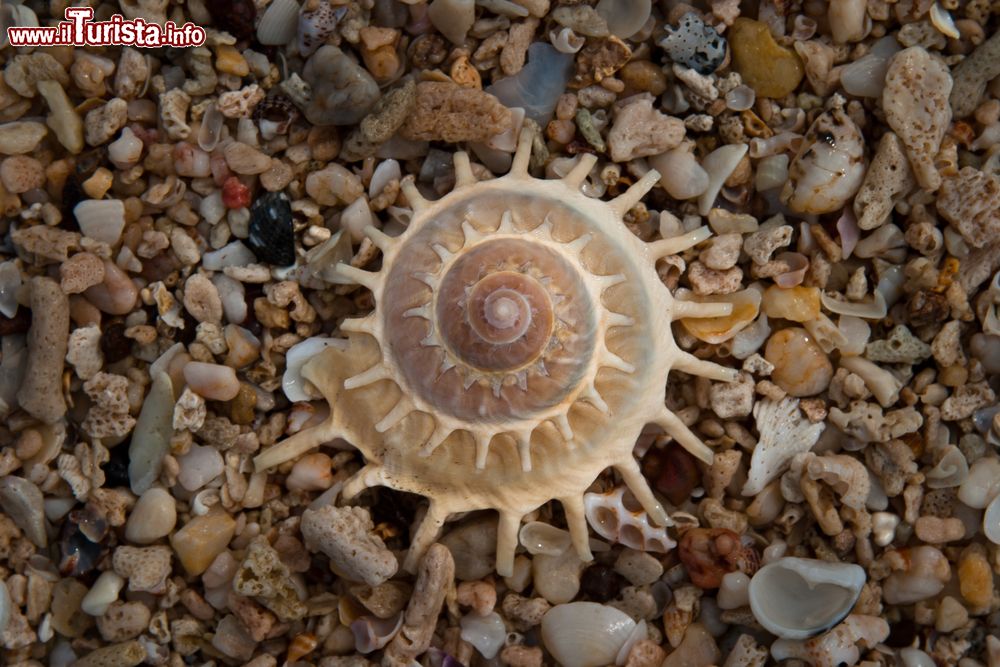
[
  {"x": 41, "y": 395},
  {"x": 643, "y": 76},
  {"x": 800, "y": 366},
  {"x": 81, "y": 271},
  {"x": 126, "y": 654},
  {"x": 241, "y": 408}
]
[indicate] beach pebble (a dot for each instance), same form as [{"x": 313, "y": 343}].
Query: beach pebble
[
  {"x": 798, "y": 304},
  {"x": 104, "y": 591},
  {"x": 800, "y": 366},
  {"x": 152, "y": 517},
  {"x": 41, "y": 394},
  {"x": 80, "y": 272},
  {"x": 127, "y": 654},
  {"x": 342, "y": 91},
  {"x": 346, "y": 535},
  {"x": 116, "y": 294},
  {"x": 146, "y": 568},
  {"x": 123, "y": 621},
  {"x": 212, "y": 381},
  {"x": 970, "y": 201},
  {"x": 916, "y": 107},
  {"x": 448, "y": 112},
  {"x": 199, "y": 466},
  {"x": 20, "y": 137},
  {"x": 972, "y": 74},
  {"x": 23, "y": 502},
  {"x": 335, "y": 184},
  {"x": 202, "y": 539},
  {"x": 770, "y": 69},
  {"x": 67, "y": 596},
  {"x": 21, "y": 173},
  {"x": 641, "y": 130}
]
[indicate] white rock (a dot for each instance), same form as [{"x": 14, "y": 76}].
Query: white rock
[
  {"x": 153, "y": 517},
  {"x": 486, "y": 633},
  {"x": 104, "y": 591},
  {"x": 199, "y": 467},
  {"x": 101, "y": 219}
]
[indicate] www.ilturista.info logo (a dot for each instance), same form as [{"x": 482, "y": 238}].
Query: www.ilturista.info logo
[{"x": 80, "y": 30}]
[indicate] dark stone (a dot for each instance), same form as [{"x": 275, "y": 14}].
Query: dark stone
[
  {"x": 271, "y": 238},
  {"x": 600, "y": 583}
]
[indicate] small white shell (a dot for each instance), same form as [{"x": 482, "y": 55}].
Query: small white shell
[
  {"x": 372, "y": 633},
  {"x": 585, "y": 634},
  {"x": 292, "y": 382},
  {"x": 951, "y": 470},
  {"x": 784, "y": 432},
  {"x": 566, "y": 41},
  {"x": 386, "y": 172},
  {"x": 943, "y": 22},
  {"x": 101, "y": 219},
  {"x": 829, "y": 166},
  {"x": 543, "y": 538},
  {"x": 126, "y": 150},
  {"x": 211, "y": 128},
  {"x": 611, "y": 519},
  {"x": 280, "y": 23},
  {"x": 486, "y": 633},
  {"x": 796, "y": 598},
  {"x": 720, "y": 165}
]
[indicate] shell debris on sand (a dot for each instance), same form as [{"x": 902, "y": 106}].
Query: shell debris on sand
[{"x": 515, "y": 332}]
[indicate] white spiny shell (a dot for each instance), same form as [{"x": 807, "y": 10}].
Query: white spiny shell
[
  {"x": 796, "y": 598},
  {"x": 585, "y": 634},
  {"x": 612, "y": 520},
  {"x": 518, "y": 347}
]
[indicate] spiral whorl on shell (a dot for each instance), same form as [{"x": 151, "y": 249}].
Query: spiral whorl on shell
[{"x": 520, "y": 342}]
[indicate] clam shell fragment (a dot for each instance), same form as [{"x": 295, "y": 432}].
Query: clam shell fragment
[{"x": 797, "y": 598}]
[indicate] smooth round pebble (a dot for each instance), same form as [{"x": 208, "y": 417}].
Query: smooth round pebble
[
  {"x": 212, "y": 381},
  {"x": 104, "y": 591},
  {"x": 153, "y": 517},
  {"x": 800, "y": 366},
  {"x": 199, "y": 467}
]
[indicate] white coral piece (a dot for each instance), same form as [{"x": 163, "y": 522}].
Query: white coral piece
[{"x": 784, "y": 432}]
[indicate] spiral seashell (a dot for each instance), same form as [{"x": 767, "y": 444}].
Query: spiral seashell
[{"x": 520, "y": 343}]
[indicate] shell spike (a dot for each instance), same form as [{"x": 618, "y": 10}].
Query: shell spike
[
  {"x": 506, "y": 223},
  {"x": 685, "y": 309},
  {"x": 688, "y": 363},
  {"x": 619, "y": 319},
  {"x": 577, "y": 245},
  {"x": 482, "y": 448},
  {"x": 574, "y": 179},
  {"x": 463, "y": 170},
  {"x": 522, "y": 156},
  {"x": 472, "y": 234},
  {"x": 365, "y": 378},
  {"x": 612, "y": 360},
  {"x": 417, "y": 201},
  {"x": 562, "y": 423},
  {"x": 425, "y": 535},
  {"x": 523, "y": 440},
  {"x": 637, "y": 484},
  {"x": 442, "y": 252},
  {"x": 366, "y": 478},
  {"x": 381, "y": 240},
  {"x": 440, "y": 434},
  {"x": 364, "y": 278},
  {"x": 594, "y": 397},
  {"x": 679, "y": 431},
  {"x": 423, "y": 311},
  {"x": 576, "y": 521},
  {"x": 294, "y": 446},
  {"x": 507, "y": 542},
  {"x": 398, "y": 413},
  {"x": 606, "y": 282},
  {"x": 676, "y": 244},
  {"x": 624, "y": 202},
  {"x": 364, "y": 324}
]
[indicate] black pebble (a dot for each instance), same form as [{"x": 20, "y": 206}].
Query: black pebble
[
  {"x": 600, "y": 583},
  {"x": 114, "y": 345},
  {"x": 234, "y": 16},
  {"x": 116, "y": 468},
  {"x": 271, "y": 237}
]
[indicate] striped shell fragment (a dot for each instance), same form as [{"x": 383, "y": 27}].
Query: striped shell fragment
[{"x": 519, "y": 344}]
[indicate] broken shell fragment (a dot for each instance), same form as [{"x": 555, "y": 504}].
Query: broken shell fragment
[
  {"x": 294, "y": 385},
  {"x": 715, "y": 330},
  {"x": 611, "y": 518},
  {"x": 797, "y": 598},
  {"x": 585, "y": 634},
  {"x": 829, "y": 166}
]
